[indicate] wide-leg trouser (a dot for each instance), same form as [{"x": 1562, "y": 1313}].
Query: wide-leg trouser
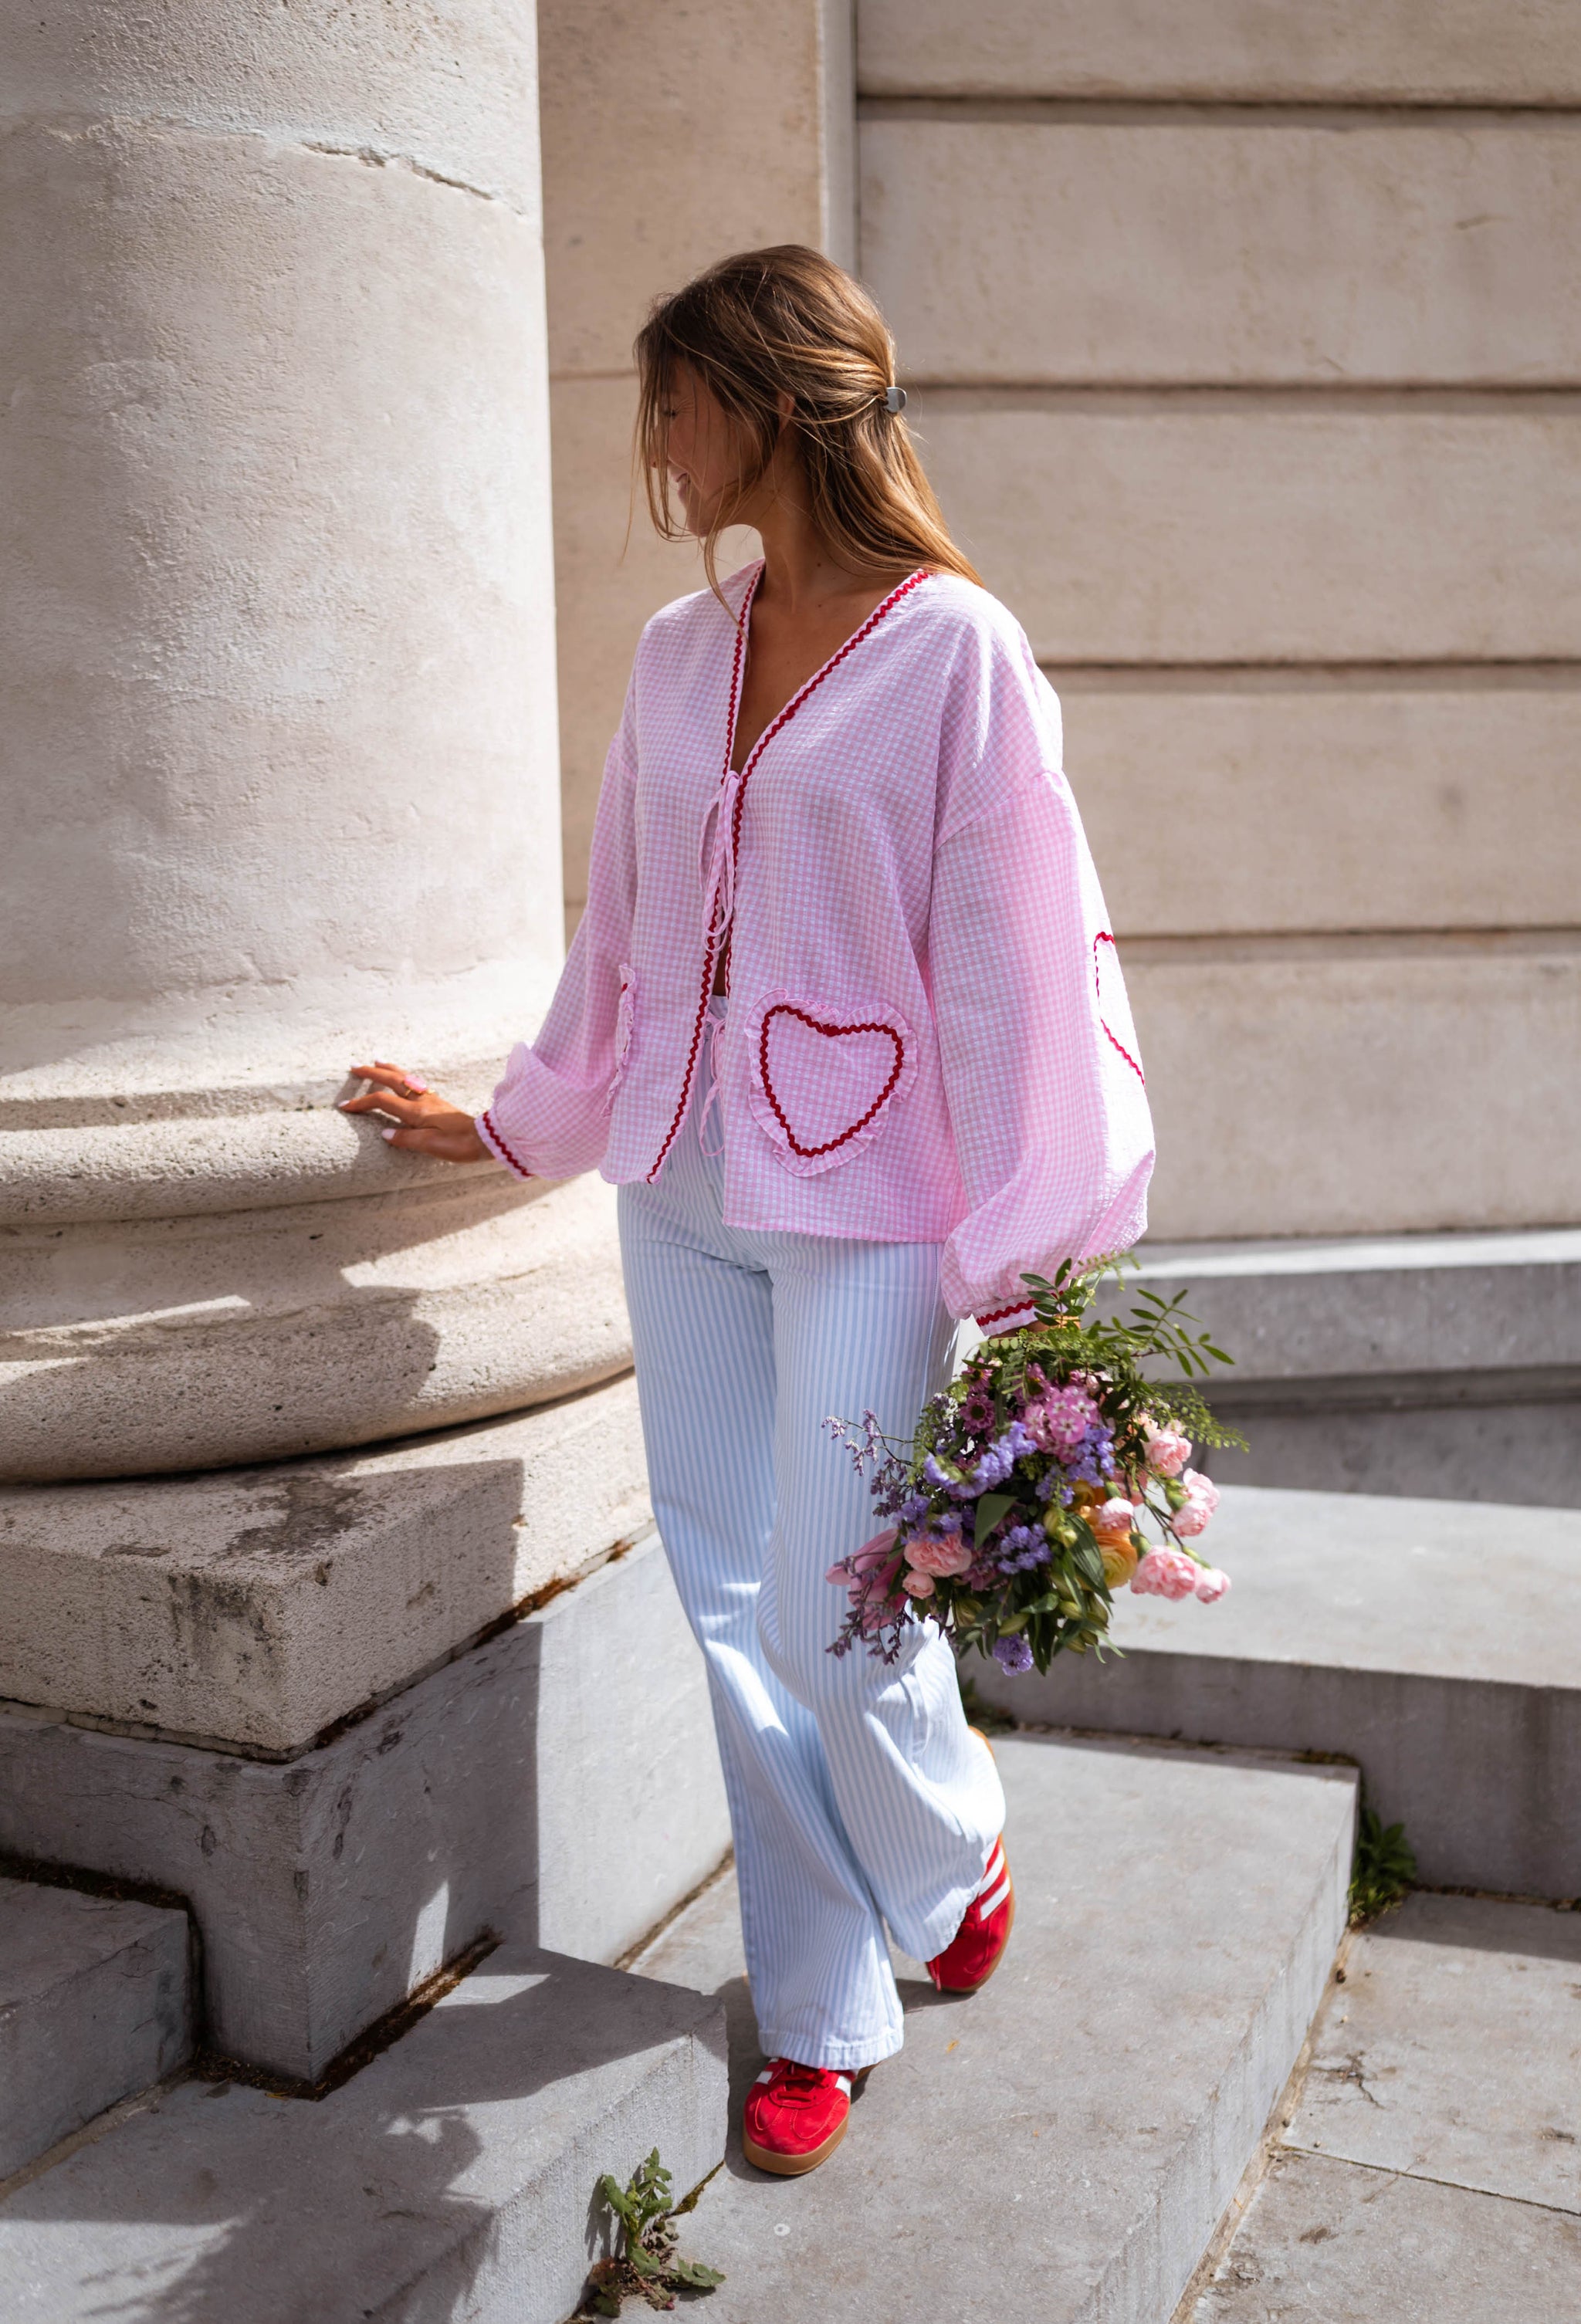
[{"x": 857, "y": 1795}]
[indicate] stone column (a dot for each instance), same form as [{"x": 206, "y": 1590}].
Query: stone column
[{"x": 277, "y": 695}]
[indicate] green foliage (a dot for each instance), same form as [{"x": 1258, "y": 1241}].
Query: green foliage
[
  {"x": 1155, "y": 1333},
  {"x": 646, "y": 2264},
  {"x": 1383, "y": 1870}
]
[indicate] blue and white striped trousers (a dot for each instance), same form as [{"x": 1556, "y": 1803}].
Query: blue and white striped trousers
[{"x": 857, "y": 1795}]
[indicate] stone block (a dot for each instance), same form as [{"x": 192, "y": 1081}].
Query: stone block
[
  {"x": 1139, "y": 526},
  {"x": 1081, "y": 2123},
  {"x": 1475, "y": 51},
  {"x": 1425, "y": 250},
  {"x": 1350, "y": 1085},
  {"x": 1324, "y": 2243},
  {"x": 1425, "y": 800},
  {"x": 1376, "y": 1306},
  {"x": 1428, "y": 1436},
  {"x": 96, "y": 2002},
  {"x": 1427, "y": 1640},
  {"x": 1449, "y": 2052},
  {"x": 1442, "y": 1367},
  {"x": 327, "y": 1888},
  {"x": 254, "y": 1608},
  {"x": 455, "y": 2175},
  {"x": 193, "y": 1342},
  {"x": 726, "y": 109}
]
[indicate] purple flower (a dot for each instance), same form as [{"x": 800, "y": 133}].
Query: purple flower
[
  {"x": 1012, "y": 1654},
  {"x": 1022, "y": 1547},
  {"x": 1093, "y": 1459},
  {"x": 977, "y": 1409}
]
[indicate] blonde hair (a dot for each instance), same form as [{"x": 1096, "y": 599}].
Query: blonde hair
[{"x": 789, "y": 321}]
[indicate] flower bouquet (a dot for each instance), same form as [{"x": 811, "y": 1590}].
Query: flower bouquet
[{"x": 1025, "y": 1498}]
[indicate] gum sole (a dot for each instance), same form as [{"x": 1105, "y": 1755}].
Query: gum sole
[{"x": 791, "y": 2166}]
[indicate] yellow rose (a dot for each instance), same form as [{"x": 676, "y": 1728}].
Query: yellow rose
[{"x": 1119, "y": 1562}]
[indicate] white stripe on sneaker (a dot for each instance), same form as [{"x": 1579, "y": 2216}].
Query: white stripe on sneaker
[
  {"x": 986, "y": 1905},
  {"x": 845, "y": 2082}
]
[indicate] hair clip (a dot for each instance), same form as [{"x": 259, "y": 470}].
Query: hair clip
[{"x": 895, "y": 399}]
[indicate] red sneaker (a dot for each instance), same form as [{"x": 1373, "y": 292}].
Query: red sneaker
[
  {"x": 795, "y": 2116},
  {"x": 978, "y": 1946}
]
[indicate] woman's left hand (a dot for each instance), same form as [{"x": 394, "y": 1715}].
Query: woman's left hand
[{"x": 427, "y": 1123}]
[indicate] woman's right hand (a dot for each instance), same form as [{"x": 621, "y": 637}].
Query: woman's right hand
[{"x": 426, "y": 1123}]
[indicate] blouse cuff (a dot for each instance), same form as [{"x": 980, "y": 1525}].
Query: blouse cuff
[
  {"x": 1008, "y": 1319},
  {"x": 496, "y": 1146}
]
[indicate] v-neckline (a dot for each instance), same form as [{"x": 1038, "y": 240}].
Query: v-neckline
[{"x": 788, "y": 708}]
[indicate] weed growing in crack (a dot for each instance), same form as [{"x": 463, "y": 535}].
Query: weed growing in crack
[
  {"x": 1383, "y": 1870},
  {"x": 646, "y": 2264}
]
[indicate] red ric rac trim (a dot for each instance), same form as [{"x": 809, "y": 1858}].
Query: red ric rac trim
[
  {"x": 1002, "y": 1314},
  {"x": 505, "y": 1147},
  {"x": 1104, "y": 936},
  {"x": 742, "y": 622},
  {"x": 832, "y": 1033}
]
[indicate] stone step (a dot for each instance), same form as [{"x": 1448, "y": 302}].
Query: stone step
[
  {"x": 1444, "y": 1365},
  {"x": 1060, "y": 2146},
  {"x": 453, "y": 2176},
  {"x": 1427, "y": 2165},
  {"x": 496, "y": 1792},
  {"x": 95, "y": 2003},
  {"x": 1431, "y": 1641}
]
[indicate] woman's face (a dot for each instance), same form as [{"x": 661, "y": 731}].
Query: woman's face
[{"x": 700, "y": 450}]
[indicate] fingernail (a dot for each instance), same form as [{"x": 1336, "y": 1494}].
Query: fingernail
[{"x": 386, "y": 1133}]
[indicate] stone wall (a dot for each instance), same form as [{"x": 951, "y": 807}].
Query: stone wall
[
  {"x": 1244, "y": 348},
  {"x": 670, "y": 137}
]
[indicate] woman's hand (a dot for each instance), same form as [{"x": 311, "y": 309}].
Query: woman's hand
[{"x": 428, "y": 1123}]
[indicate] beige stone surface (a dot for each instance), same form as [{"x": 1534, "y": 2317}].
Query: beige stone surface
[
  {"x": 187, "y": 1342},
  {"x": 1252, "y": 802},
  {"x": 1230, "y": 527},
  {"x": 1500, "y": 52},
  {"x": 1211, "y": 248},
  {"x": 446, "y": 86},
  {"x": 734, "y": 125},
  {"x": 282, "y": 678},
  {"x": 1334, "y": 1085},
  {"x": 669, "y": 136},
  {"x": 256, "y": 1608},
  {"x": 276, "y": 586}
]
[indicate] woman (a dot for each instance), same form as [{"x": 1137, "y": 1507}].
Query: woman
[{"x": 843, "y": 1023}]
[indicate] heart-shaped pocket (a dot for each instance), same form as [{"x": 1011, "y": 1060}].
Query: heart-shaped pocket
[
  {"x": 1113, "y": 1007},
  {"x": 821, "y": 1078}
]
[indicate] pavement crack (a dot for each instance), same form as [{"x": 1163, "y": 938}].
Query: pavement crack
[
  {"x": 1391, "y": 2172},
  {"x": 1353, "y": 2072}
]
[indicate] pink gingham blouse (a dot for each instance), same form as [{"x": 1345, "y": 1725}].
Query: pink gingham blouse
[{"x": 927, "y": 1037}]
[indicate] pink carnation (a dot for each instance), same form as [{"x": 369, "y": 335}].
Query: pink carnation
[
  {"x": 1111, "y": 1520},
  {"x": 948, "y": 1556},
  {"x": 1168, "y": 1451},
  {"x": 1166, "y": 1574},
  {"x": 1058, "y": 1422},
  {"x": 1211, "y": 1584},
  {"x": 921, "y": 1586},
  {"x": 1201, "y": 1500}
]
